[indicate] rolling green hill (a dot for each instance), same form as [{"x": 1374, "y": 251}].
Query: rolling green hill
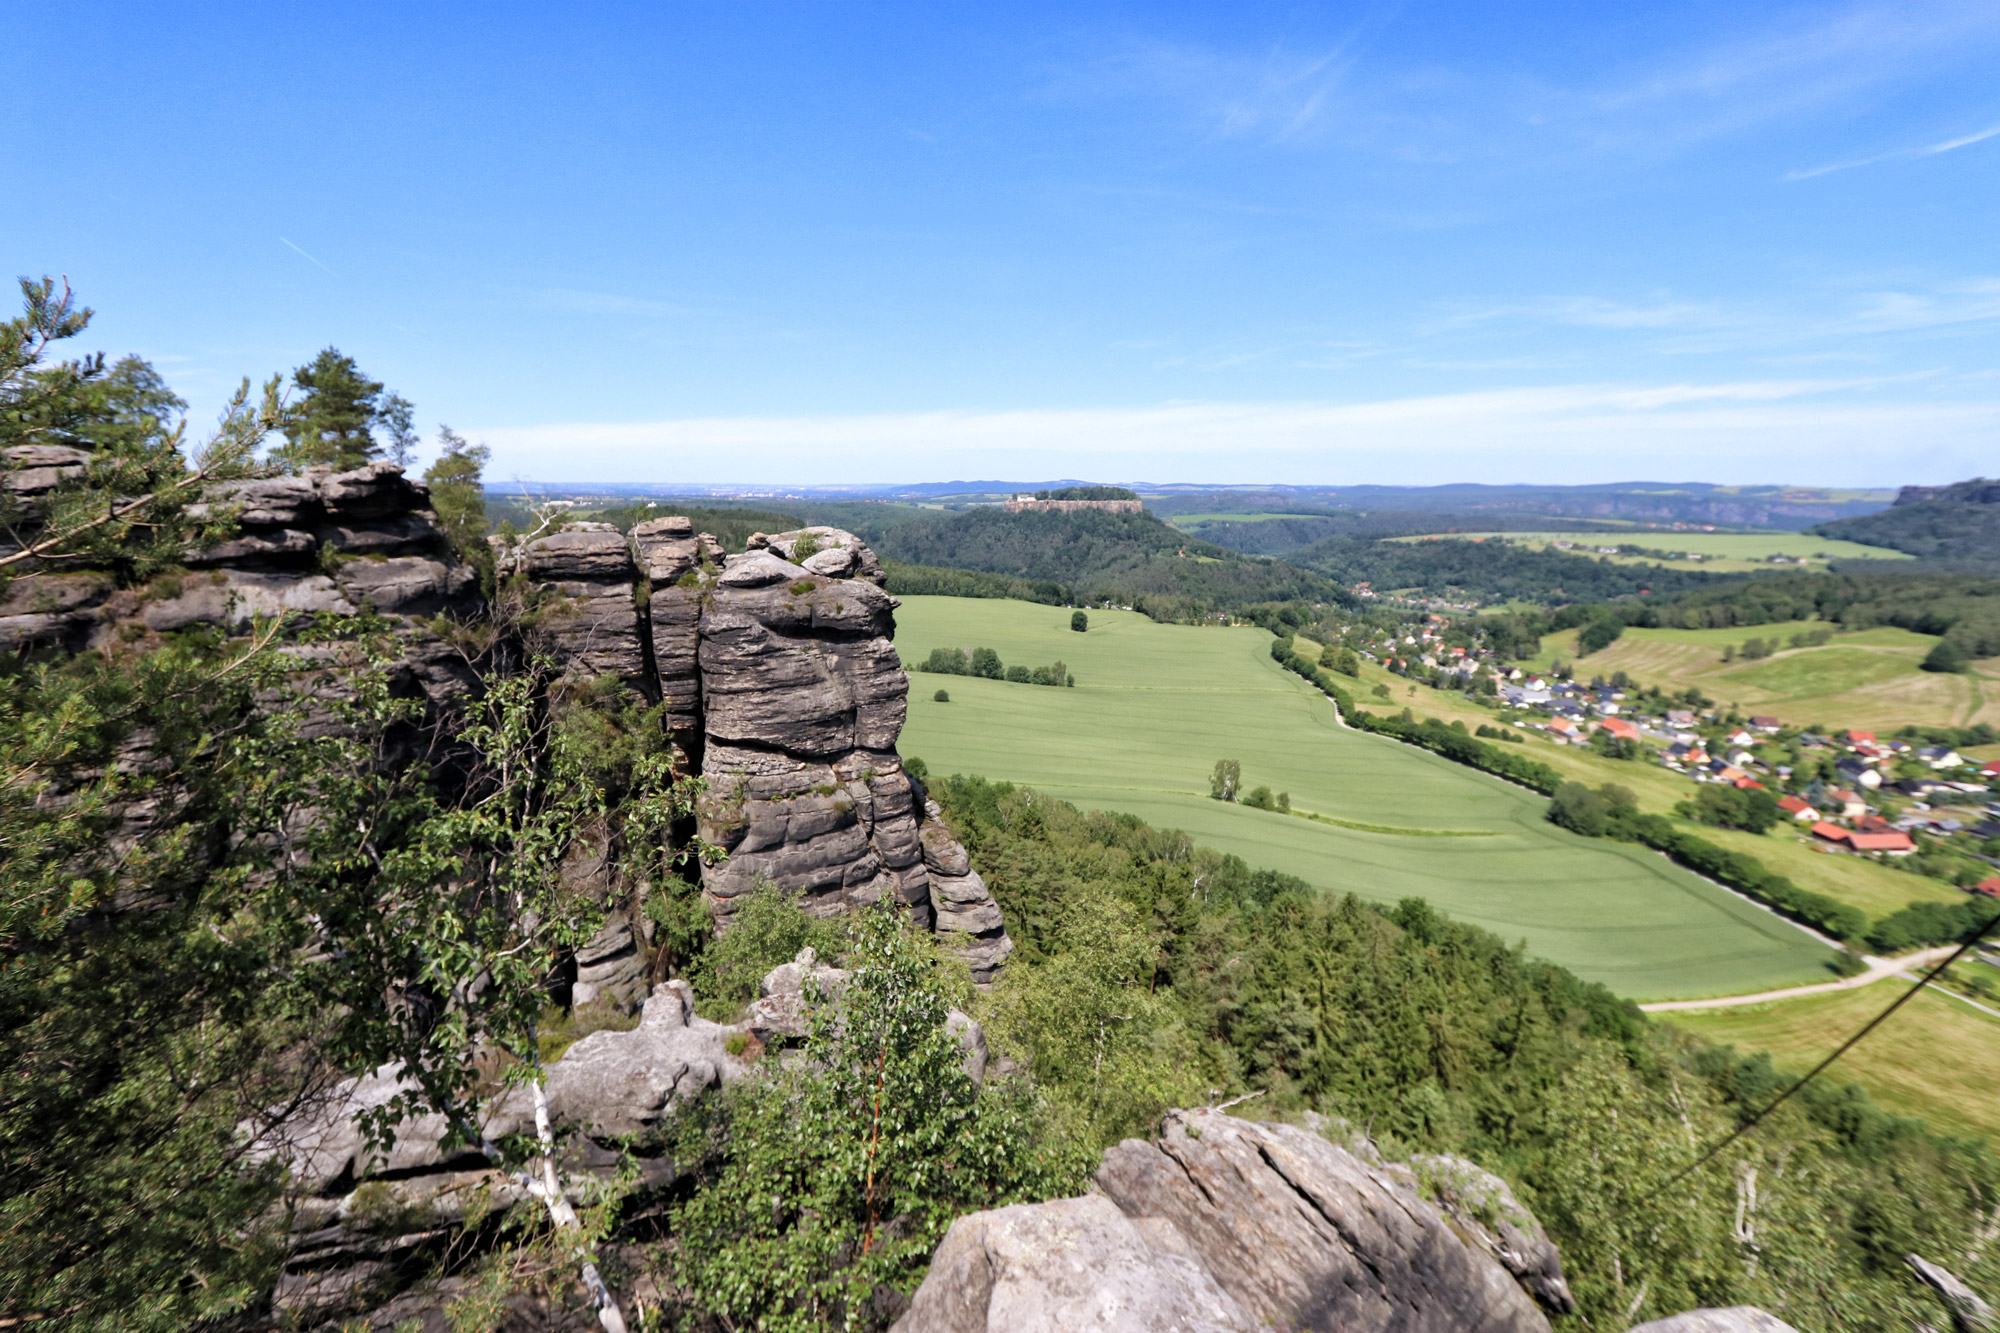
[
  {"x": 1959, "y": 523},
  {"x": 1129, "y": 559},
  {"x": 1157, "y": 705}
]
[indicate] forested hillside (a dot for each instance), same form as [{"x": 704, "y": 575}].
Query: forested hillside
[
  {"x": 1489, "y": 571},
  {"x": 1959, "y": 524},
  {"x": 1964, "y": 608},
  {"x": 1132, "y": 559},
  {"x": 1153, "y": 971}
]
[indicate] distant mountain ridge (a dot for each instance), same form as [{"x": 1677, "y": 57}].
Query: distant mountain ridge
[{"x": 1785, "y": 507}]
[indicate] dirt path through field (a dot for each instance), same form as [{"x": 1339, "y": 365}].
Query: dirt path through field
[{"x": 1878, "y": 968}]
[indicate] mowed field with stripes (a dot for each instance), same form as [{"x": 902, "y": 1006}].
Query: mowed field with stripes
[{"x": 1158, "y": 705}]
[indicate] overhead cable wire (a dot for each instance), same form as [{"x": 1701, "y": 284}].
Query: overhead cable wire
[{"x": 1967, "y": 943}]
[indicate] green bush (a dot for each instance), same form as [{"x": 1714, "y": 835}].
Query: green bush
[
  {"x": 1599, "y": 635},
  {"x": 840, "y": 1172},
  {"x": 1259, "y": 798},
  {"x": 947, "y": 662},
  {"x": 1078, "y": 621},
  {"x": 986, "y": 662},
  {"x": 768, "y": 928},
  {"x": 942, "y": 696},
  {"x": 1751, "y": 809},
  {"x": 1019, "y": 675},
  {"x": 1946, "y": 656},
  {"x": 1226, "y": 780}
]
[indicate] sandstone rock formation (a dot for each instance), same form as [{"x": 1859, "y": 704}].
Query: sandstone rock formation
[
  {"x": 1239, "y": 1226},
  {"x": 366, "y": 1221},
  {"x": 802, "y": 701},
  {"x": 323, "y": 543},
  {"x": 783, "y": 691}
]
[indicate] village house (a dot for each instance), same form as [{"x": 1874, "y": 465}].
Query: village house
[
  {"x": 1859, "y": 773},
  {"x": 1770, "y": 726},
  {"x": 1798, "y": 809}
]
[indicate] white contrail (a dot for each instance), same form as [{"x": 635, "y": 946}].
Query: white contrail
[{"x": 303, "y": 253}]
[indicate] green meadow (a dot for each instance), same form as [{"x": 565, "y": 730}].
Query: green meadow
[
  {"x": 1869, "y": 678},
  {"x": 1157, "y": 705},
  {"x": 1720, "y": 552},
  {"x": 1932, "y": 1058}
]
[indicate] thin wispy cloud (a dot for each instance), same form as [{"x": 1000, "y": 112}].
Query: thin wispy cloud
[
  {"x": 308, "y": 258},
  {"x": 1788, "y": 429},
  {"x": 1903, "y": 155},
  {"x": 1667, "y": 325},
  {"x": 1346, "y": 93}
]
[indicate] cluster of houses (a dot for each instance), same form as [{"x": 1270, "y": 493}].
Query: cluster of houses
[
  {"x": 1837, "y": 806},
  {"x": 1842, "y": 807}
]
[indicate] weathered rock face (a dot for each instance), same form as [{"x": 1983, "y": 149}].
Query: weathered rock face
[
  {"x": 1246, "y": 1226},
  {"x": 783, "y": 690},
  {"x": 365, "y": 1223},
  {"x": 673, "y": 556},
  {"x": 590, "y": 617},
  {"x": 802, "y": 701},
  {"x": 324, "y": 543}
]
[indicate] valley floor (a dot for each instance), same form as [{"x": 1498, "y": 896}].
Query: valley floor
[{"x": 1158, "y": 705}]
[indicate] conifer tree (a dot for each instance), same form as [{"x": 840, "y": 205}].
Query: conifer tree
[
  {"x": 458, "y": 493},
  {"x": 334, "y": 419}
]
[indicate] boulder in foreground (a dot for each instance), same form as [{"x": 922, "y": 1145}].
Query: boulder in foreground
[{"x": 1225, "y": 1224}]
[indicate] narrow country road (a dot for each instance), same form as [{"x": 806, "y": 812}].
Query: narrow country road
[{"x": 1878, "y": 968}]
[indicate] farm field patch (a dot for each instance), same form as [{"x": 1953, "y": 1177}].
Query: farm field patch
[
  {"x": 1157, "y": 705},
  {"x": 1190, "y": 521},
  {"x": 1869, "y": 678},
  {"x": 1720, "y": 552},
  {"x": 1932, "y": 1058}
]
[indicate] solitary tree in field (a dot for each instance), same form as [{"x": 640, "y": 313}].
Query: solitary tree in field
[
  {"x": 1226, "y": 780},
  {"x": 1078, "y": 621}
]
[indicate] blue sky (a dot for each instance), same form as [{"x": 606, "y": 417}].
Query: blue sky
[{"x": 818, "y": 243}]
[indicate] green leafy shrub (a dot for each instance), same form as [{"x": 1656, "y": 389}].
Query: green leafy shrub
[
  {"x": 841, "y": 1171},
  {"x": 768, "y": 928},
  {"x": 1078, "y": 621},
  {"x": 1751, "y": 809},
  {"x": 1226, "y": 780}
]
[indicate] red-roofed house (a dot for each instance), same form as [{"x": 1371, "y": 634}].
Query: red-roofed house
[
  {"x": 1850, "y": 802},
  {"x": 1990, "y": 886},
  {"x": 1831, "y": 832},
  {"x": 1991, "y": 768},
  {"x": 1767, "y": 724},
  {"x": 1746, "y": 782},
  {"x": 1621, "y": 729},
  {"x": 1894, "y": 844},
  {"x": 1856, "y": 737},
  {"x": 1797, "y": 808}
]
